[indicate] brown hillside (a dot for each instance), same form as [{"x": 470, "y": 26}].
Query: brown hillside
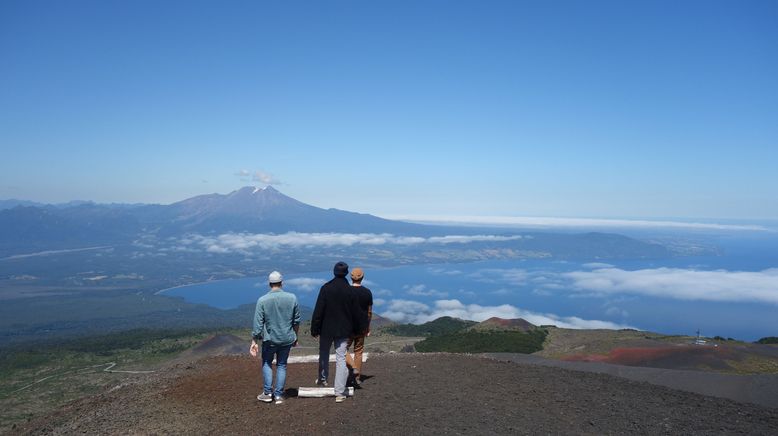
[{"x": 379, "y": 321}]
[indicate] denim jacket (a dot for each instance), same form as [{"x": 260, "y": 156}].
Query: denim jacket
[{"x": 276, "y": 315}]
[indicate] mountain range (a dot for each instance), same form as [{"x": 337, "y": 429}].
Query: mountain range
[
  {"x": 27, "y": 228},
  {"x": 249, "y": 209}
]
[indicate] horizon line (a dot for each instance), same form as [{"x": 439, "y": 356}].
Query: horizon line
[{"x": 546, "y": 222}]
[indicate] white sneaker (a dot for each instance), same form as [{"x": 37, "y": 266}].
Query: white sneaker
[
  {"x": 280, "y": 399},
  {"x": 340, "y": 398},
  {"x": 322, "y": 383},
  {"x": 265, "y": 398}
]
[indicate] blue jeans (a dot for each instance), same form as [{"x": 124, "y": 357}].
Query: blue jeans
[
  {"x": 281, "y": 353},
  {"x": 341, "y": 370}
]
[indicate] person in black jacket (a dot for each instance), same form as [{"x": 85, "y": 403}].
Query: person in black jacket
[{"x": 336, "y": 317}]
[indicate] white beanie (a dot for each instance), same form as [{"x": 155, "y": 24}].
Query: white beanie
[{"x": 275, "y": 277}]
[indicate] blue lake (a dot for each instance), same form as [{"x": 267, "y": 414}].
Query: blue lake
[{"x": 673, "y": 296}]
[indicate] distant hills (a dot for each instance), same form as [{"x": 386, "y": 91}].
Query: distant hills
[
  {"x": 446, "y": 325},
  {"x": 440, "y": 326},
  {"x": 502, "y": 324},
  {"x": 11, "y": 203},
  {"x": 461, "y": 336}
]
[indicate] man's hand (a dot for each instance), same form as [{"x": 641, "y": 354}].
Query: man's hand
[
  {"x": 368, "y": 333},
  {"x": 254, "y": 349}
]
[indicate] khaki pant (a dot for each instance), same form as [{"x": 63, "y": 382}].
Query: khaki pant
[{"x": 359, "y": 346}]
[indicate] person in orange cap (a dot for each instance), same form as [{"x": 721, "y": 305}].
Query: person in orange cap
[{"x": 365, "y": 299}]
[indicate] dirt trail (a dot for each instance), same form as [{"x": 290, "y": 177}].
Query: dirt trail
[{"x": 405, "y": 394}]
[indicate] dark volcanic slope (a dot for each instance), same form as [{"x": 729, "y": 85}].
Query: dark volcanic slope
[
  {"x": 406, "y": 394},
  {"x": 761, "y": 389}
]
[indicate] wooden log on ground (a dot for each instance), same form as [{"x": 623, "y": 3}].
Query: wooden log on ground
[
  {"x": 315, "y": 358},
  {"x": 321, "y": 392}
]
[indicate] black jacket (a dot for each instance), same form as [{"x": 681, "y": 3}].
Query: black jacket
[{"x": 337, "y": 313}]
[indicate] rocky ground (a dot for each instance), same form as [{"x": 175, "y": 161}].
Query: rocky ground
[{"x": 403, "y": 394}]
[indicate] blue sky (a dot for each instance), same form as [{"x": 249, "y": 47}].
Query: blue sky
[{"x": 573, "y": 109}]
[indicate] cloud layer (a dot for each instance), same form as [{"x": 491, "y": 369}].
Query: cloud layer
[
  {"x": 304, "y": 284},
  {"x": 550, "y": 222},
  {"x": 422, "y": 291},
  {"x": 417, "y": 313},
  {"x": 244, "y": 242},
  {"x": 683, "y": 284},
  {"x": 676, "y": 283}
]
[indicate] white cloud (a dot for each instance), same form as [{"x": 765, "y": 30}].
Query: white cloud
[
  {"x": 368, "y": 283},
  {"x": 511, "y": 276},
  {"x": 418, "y": 313},
  {"x": 258, "y": 176},
  {"x": 444, "y": 271},
  {"x": 379, "y": 302},
  {"x": 616, "y": 311},
  {"x": 244, "y": 242},
  {"x": 682, "y": 284},
  {"x": 414, "y": 289},
  {"x": 303, "y": 284},
  {"x": 382, "y": 292},
  {"x": 460, "y": 239},
  {"x": 552, "y": 222},
  {"x": 422, "y": 291},
  {"x": 597, "y": 265},
  {"x": 266, "y": 178},
  {"x": 404, "y": 310}
]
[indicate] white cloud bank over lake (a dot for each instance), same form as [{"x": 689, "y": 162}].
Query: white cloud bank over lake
[
  {"x": 409, "y": 311},
  {"x": 683, "y": 284},
  {"x": 303, "y": 284},
  {"x": 674, "y": 283},
  {"x": 243, "y": 242}
]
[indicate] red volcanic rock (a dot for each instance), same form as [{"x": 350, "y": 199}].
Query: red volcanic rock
[{"x": 671, "y": 357}]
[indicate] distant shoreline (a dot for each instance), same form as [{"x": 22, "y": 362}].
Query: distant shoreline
[
  {"x": 54, "y": 252},
  {"x": 161, "y": 291}
]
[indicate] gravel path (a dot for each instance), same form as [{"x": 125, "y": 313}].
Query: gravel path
[{"x": 405, "y": 394}]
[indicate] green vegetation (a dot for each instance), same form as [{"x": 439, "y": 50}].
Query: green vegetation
[
  {"x": 67, "y": 317},
  {"x": 457, "y": 336},
  {"x": 768, "y": 340},
  {"x": 485, "y": 342},
  {"x": 140, "y": 343},
  {"x": 441, "y": 326},
  {"x": 36, "y": 377}
]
